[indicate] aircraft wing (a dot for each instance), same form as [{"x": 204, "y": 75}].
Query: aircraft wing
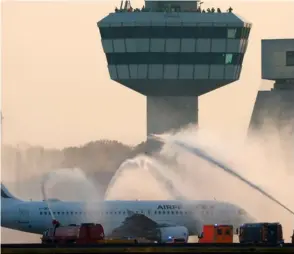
[{"x": 136, "y": 225}]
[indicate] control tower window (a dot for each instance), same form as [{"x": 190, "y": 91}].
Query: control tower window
[
  {"x": 232, "y": 32},
  {"x": 173, "y": 58},
  {"x": 229, "y": 59},
  {"x": 156, "y": 32},
  {"x": 211, "y": 32},
  {"x": 219, "y": 32},
  {"x": 290, "y": 58},
  {"x": 105, "y": 32}
]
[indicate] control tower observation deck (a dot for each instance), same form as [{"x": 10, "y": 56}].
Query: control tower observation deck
[{"x": 173, "y": 52}]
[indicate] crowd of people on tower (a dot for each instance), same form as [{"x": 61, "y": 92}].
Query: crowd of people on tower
[{"x": 143, "y": 9}]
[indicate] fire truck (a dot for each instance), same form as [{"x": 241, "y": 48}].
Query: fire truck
[
  {"x": 87, "y": 233},
  {"x": 264, "y": 232},
  {"x": 216, "y": 234}
]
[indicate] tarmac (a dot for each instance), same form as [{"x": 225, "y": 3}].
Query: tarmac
[{"x": 116, "y": 248}]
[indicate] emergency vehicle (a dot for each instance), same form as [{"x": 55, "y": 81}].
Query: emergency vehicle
[
  {"x": 216, "y": 234},
  {"x": 87, "y": 233},
  {"x": 271, "y": 233}
]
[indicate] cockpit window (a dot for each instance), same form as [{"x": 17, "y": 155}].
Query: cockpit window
[{"x": 242, "y": 212}]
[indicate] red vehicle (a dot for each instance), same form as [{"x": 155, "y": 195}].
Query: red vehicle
[
  {"x": 216, "y": 234},
  {"x": 87, "y": 233}
]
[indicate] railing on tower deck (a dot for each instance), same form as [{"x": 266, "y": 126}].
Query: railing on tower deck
[{"x": 172, "y": 10}]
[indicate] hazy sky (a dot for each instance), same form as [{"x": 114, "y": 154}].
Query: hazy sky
[{"x": 56, "y": 87}]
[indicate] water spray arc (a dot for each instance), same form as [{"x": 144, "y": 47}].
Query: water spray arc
[
  {"x": 210, "y": 159},
  {"x": 145, "y": 163},
  {"x": 168, "y": 184},
  {"x": 67, "y": 174},
  {"x": 45, "y": 198}
]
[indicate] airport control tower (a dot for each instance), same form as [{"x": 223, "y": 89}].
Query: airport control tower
[
  {"x": 173, "y": 52},
  {"x": 275, "y": 107}
]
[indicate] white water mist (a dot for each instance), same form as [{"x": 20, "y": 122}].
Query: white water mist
[
  {"x": 257, "y": 159},
  {"x": 70, "y": 184}
]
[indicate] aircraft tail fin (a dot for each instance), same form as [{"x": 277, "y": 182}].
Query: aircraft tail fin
[{"x": 6, "y": 194}]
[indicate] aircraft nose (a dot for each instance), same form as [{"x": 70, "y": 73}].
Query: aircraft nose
[{"x": 252, "y": 219}]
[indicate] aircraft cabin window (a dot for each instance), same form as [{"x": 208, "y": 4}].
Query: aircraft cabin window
[
  {"x": 41, "y": 213},
  {"x": 167, "y": 212},
  {"x": 219, "y": 231},
  {"x": 163, "y": 212},
  {"x": 45, "y": 213},
  {"x": 159, "y": 212},
  {"x": 154, "y": 212},
  {"x": 71, "y": 213},
  {"x": 62, "y": 213}
]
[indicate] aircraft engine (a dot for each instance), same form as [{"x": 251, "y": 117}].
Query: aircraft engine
[{"x": 170, "y": 234}]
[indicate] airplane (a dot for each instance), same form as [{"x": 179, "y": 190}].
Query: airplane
[{"x": 120, "y": 218}]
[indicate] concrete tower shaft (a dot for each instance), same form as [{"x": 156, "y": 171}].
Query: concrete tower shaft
[{"x": 172, "y": 52}]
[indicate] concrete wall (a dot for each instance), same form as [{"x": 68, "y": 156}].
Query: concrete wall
[
  {"x": 273, "y": 118},
  {"x": 274, "y": 59},
  {"x": 275, "y": 106},
  {"x": 167, "y": 113}
]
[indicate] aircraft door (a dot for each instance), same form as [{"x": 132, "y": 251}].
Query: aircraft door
[{"x": 222, "y": 214}]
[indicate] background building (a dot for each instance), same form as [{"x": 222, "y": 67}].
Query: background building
[{"x": 275, "y": 107}]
